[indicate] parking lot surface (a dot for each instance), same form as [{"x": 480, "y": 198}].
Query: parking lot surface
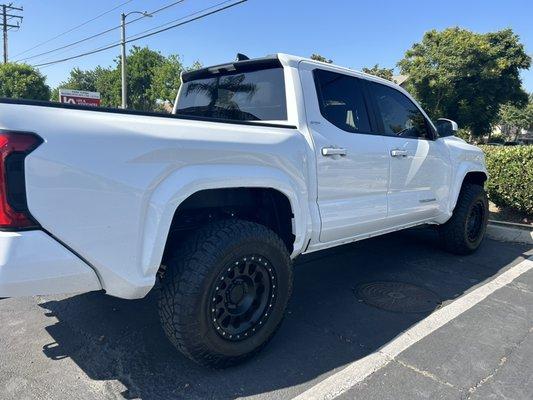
[{"x": 348, "y": 303}]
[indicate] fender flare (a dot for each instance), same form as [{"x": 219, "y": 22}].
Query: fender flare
[
  {"x": 465, "y": 168},
  {"x": 180, "y": 184}
]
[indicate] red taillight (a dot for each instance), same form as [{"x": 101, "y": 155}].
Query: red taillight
[{"x": 14, "y": 147}]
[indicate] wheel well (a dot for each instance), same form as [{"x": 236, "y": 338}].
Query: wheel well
[
  {"x": 266, "y": 206},
  {"x": 475, "y": 177}
]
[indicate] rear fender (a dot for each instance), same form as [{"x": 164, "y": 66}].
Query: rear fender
[{"x": 181, "y": 184}]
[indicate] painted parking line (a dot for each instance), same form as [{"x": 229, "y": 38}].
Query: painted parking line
[{"x": 354, "y": 373}]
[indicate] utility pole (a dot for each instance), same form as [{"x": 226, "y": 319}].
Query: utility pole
[
  {"x": 123, "y": 58},
  {"x": 123, "y": 63},
  {"x": 6, "y": 8}
]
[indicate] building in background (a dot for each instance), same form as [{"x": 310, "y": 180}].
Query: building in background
[{"x": 400, "y": 79}]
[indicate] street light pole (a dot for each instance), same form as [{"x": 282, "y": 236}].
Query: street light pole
[
  {"x": 124, "y": 86},
  {"x": 123, "y": 58}
]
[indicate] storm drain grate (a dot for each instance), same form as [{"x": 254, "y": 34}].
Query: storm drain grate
[{"x": 397, "y": 297}]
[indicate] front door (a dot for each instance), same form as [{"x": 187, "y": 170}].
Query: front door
[
  {"x": 352, "y": 163},
  {"x": 419, "y": 168}
]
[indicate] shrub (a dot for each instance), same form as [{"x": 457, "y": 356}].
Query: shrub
[{"x": 511, "y": 176}]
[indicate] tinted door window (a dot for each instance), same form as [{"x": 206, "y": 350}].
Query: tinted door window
[
  {"x": 341, "y": 101},
  {"x": 399, "y": 115}
]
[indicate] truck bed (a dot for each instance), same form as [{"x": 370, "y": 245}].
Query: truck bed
[
  {"x": 107, "y": 182},
  {"x": 53, "y": 104}
]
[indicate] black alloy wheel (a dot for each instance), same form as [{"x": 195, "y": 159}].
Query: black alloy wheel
[
  {"x": 475, "y": 219},
  {"x": 244, "y": 294}
]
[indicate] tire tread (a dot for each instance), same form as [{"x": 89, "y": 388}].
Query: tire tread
[
  {"x": 187, "y": 269},
  {"x": 452, "y": 233}
]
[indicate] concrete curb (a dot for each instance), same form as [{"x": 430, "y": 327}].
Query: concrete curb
[{"x": 505, "y": 232}]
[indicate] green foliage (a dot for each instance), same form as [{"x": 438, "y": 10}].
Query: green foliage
[
  {"x": 142, "y": 66},
  {"x": 463, "y": 134},
  {"x": 109, "y": 86},
  {"x": 153, "y": 79},
  {"x": 466, "y": 76},
  {"x": 518, "y": 117},
  {"x": 23, "y": 82},
  {"x": 385, "y": 73},
  {"x": 511, "y": 176},
  {"x": 103, "y": 80},
  {"x": 318, "y": 57},
  {"x": 166, "y": 80}
]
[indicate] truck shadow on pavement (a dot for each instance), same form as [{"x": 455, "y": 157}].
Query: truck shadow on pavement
[{"x": 326, "y": 325}]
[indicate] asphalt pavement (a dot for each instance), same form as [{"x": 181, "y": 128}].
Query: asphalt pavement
[{"x": 348, "y": 303}]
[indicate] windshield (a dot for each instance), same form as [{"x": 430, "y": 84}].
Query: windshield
[{"x": 257, "y": 95}]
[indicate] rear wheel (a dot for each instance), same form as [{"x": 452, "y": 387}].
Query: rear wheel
[
  {"x": 465, "y": 230},
  {"x": 225, "y": 291}
]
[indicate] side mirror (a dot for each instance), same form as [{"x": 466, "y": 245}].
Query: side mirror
[{"x": 446, "y": 127}]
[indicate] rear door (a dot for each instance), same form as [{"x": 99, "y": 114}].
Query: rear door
[
  {"x": 352, "y": 163},
  {"x": 419, "y": 164}
]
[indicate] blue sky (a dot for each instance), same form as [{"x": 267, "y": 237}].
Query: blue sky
[{"x": 352, "y": 33}]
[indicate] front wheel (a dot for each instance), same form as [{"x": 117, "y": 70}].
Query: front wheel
[
  {"x": 465, "y": 230},
  {"x": 225, "y": 291}
]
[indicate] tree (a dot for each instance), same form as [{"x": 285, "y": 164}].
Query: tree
[
  {"x": 103, "y": 80},
  {"x": 108, "y": 83},
  {"x": 153, "y": 79},
  {"x": 466, "y": 76},
  {"x": 23, "y": 81},
  {"x": 514, "y": 119},
  {"x": 166, "y": 80},
  {"x": 376, "y": 70},
  {"x": 142, "y": 66},
  {"x": 318, "y": 57}
]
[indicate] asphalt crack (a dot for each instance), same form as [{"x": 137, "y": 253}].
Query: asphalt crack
[
  {"x": 501, "y": 363},
  {"x": 424, "y": 373},
  {"x": 520, "y": 287}
]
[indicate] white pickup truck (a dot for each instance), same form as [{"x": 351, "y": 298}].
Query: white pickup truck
[{"x": 262, "y": 160}]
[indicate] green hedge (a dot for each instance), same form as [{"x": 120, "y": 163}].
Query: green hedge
[{"x": 511, "y": 176}]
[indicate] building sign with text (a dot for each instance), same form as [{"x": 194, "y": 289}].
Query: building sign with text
[{"x": 80, "y": 97}]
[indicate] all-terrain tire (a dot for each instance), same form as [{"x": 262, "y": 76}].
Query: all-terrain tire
[
  {"x": 194, "y": 272},
  {"x": 463, "y": 233}
]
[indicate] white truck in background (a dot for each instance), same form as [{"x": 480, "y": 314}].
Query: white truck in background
[{"x": 263, "y": 160}]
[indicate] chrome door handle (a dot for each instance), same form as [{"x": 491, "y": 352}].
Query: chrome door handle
[
  {"x": 333, "y": 151},
  {"x": 398, "y": 153}
]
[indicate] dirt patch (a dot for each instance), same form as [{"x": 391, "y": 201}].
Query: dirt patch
[{"x": 509, "y": 215}]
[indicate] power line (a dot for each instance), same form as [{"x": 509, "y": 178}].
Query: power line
[
  {"x": 97, "y": 34},
  {"x": 74, "y": 28},
  {"x": 71, "y": 44},
  {"x": 136, "y": 37},
  {"x": 161, "y": 9}
]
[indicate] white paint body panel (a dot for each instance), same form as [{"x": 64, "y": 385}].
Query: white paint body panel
[
  {"x": 419, "y": 183},
  {"x": 352, "y": 189},
  {"x": 33, "y": 263},
  {"x": 108, "y": 184}
]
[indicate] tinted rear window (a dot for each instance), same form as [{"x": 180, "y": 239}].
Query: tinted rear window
[{"x": 257, "y": 95}]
